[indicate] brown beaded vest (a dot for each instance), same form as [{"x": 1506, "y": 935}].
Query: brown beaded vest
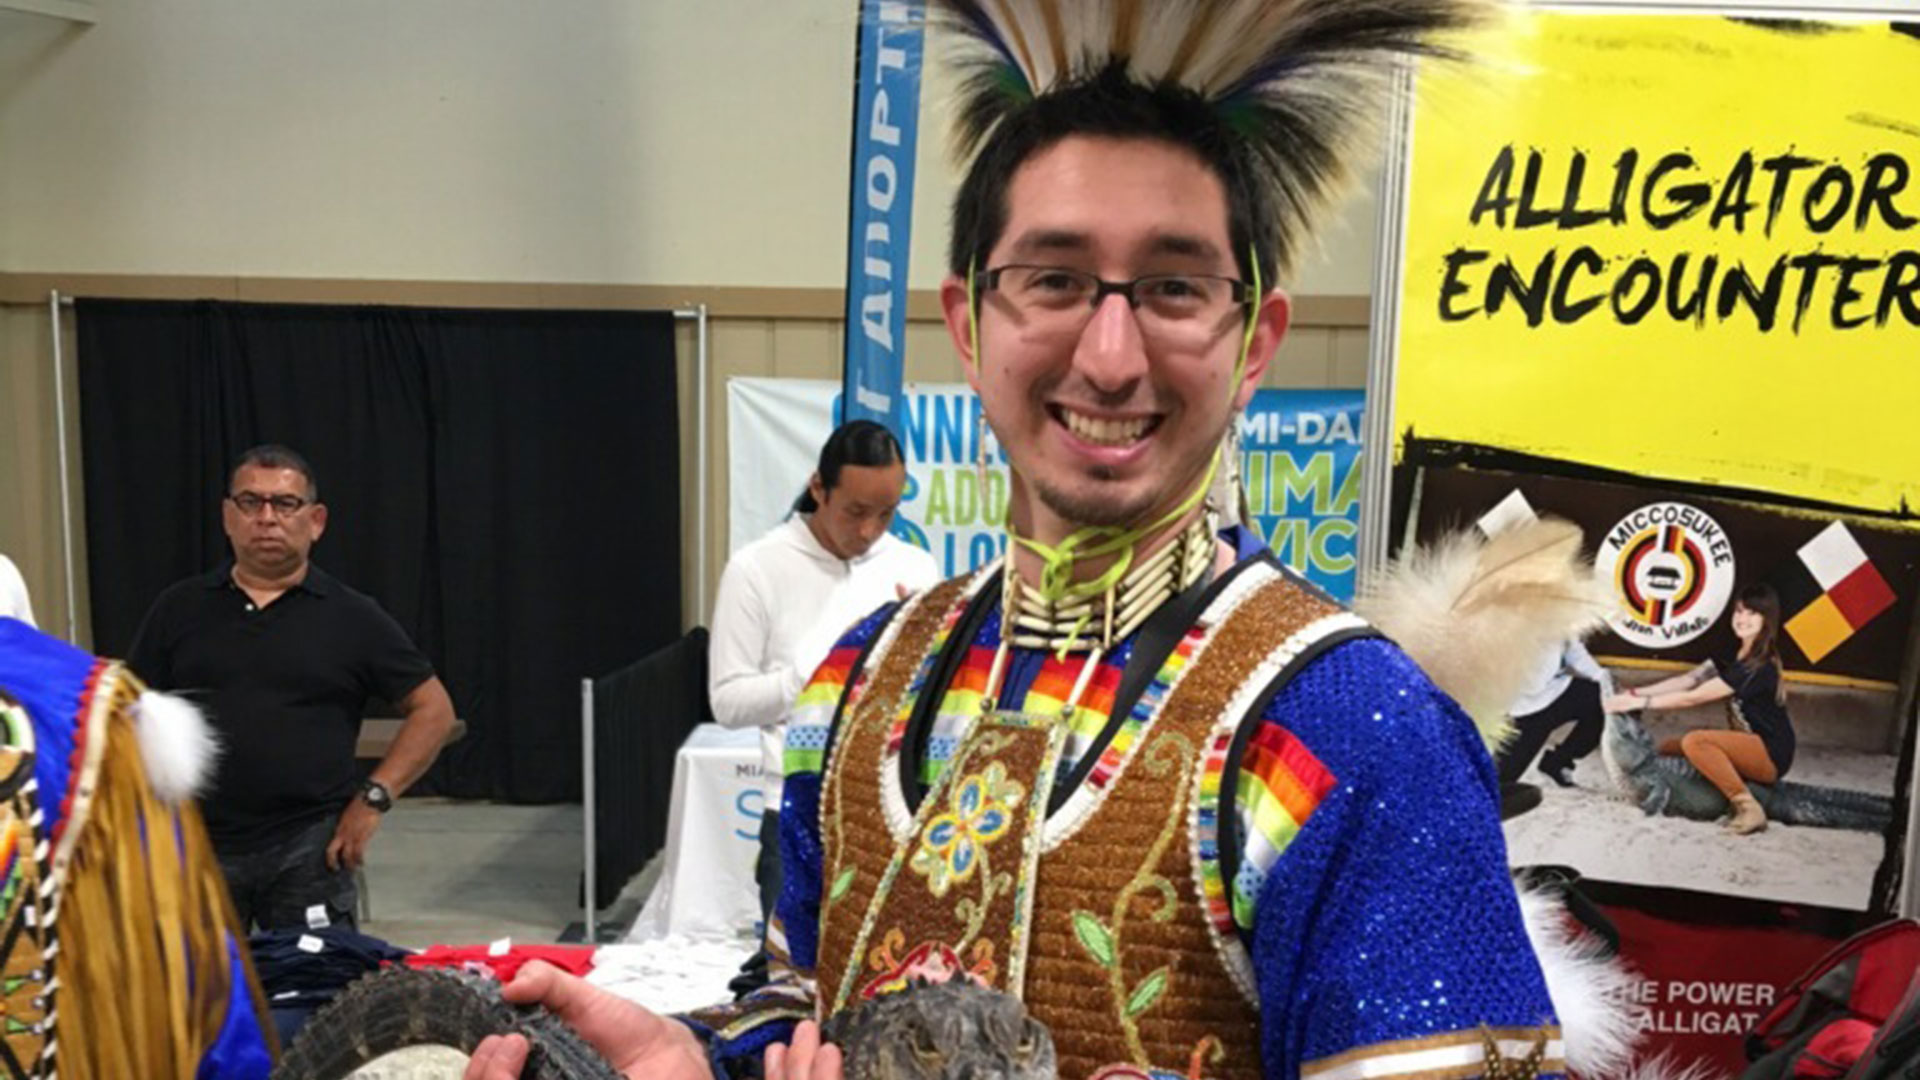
[{"x": 1100, "y": 914}]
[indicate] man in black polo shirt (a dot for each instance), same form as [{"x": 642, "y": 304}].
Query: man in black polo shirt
[{"x": 285, "y": 658}]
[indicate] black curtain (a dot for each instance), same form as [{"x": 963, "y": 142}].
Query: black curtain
[{"x": 505, "y": 483}]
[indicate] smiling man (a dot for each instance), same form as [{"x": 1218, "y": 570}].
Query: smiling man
[
  {"x": 1203, "y": 821},
  {"x": 284, "y": 658}
]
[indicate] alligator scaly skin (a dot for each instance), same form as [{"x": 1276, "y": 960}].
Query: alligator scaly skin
[
  {"x": 943, "y": 1031},
  {"x": 404, "y": 1007},
  {"x": 1672, "y": 786}
]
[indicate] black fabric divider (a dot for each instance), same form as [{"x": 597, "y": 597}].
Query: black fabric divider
[
  {"x": 503, "y": 482},
  {"x": 641, "y": 715}
]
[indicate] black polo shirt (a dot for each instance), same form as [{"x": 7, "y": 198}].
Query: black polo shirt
[{"x": 286, "y": 686}]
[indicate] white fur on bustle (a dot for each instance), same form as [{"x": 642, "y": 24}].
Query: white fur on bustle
[
  {"x": 176, "y": 745},
  {"x": 1477, "y": 614},
  {"x": 1591, "y": 992},
  {"x": 1663, "y": 1067}
]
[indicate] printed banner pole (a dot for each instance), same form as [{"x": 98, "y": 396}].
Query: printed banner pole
[
  {"x": 886, "y": 120},
  {"x": 1376, "y": 499}
]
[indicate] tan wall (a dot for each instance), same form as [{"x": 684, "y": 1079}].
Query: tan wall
[
  {"x": 790, "y": 333},
  {"x": 30, "y": 532},
  {"x": 637, "y": 141},
  {"x": 367, "y": 151}
]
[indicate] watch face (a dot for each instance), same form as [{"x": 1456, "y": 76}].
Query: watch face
[{"x": 377, "y": 797}]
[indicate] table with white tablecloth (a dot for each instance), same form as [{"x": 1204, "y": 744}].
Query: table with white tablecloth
[{"x": 706, "y": 886}]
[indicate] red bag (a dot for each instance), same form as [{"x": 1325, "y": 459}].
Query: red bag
[{"x": 1855, "y": 1015}]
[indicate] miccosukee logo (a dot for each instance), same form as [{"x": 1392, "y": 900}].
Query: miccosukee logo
[{"x": 1672, "y": 570}]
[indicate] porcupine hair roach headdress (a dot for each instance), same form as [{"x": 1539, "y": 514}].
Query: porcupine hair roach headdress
[{"x": 1272, "y": 94}]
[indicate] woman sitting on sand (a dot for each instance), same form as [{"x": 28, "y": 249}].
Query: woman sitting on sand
[{"x": 1759, "y": 744}]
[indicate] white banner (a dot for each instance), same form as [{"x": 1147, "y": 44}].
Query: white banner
[
  {"x": 774, "y": 431},
  {"x": 1300, "y": 464}
]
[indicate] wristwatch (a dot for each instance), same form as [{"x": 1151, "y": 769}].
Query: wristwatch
[{"x": 375, "y": 794}]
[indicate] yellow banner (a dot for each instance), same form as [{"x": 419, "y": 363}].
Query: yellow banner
[{"x": 1681, "y": 246}]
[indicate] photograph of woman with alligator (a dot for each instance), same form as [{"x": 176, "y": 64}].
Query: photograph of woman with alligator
[
  {"x": 1756, "y": 654},
  {"x": 1757, "y": 743}
]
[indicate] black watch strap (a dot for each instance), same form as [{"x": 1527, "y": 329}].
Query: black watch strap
[{"x": 375, "y": 794}]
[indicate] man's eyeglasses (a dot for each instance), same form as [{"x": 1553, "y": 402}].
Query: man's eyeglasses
[
  {"x": 249, "y": 503},
  {"x": 1173, "y": 309}
]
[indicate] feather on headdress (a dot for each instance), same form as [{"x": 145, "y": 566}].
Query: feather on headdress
[{"x": 1296, "y": 82}]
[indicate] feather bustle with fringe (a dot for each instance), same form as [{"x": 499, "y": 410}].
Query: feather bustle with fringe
[{"x": 145, "y": 920}]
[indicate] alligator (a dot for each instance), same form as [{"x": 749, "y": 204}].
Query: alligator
[
  {"x": 408, "y": 1022},
  {"x": 954, "y": 1030},
  {"x": 1672, "y": 786},
  {"x": 423, "y": 1022}
]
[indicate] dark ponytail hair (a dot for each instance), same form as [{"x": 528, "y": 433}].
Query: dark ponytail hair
[
  {"x": 1761, "y": 599},
  {"x": 856, "y": 442}
]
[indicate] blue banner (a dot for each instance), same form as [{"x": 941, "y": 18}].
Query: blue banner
[
  {"x": 886, "y": 121},
  {"x": 1300, "y": 466}
]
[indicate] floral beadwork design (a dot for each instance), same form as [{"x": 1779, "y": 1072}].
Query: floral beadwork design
[
  {"x": 980, "y": 811},
  {"x": 930, "y": 961}
]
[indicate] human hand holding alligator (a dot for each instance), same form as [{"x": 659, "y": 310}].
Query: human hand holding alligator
[
  {"x": 637, "y": 1042},
  {"x": 804, "y": 1057},
  {"x": 545, "y": 1024},
  {"x": 927, "y": 1031}
]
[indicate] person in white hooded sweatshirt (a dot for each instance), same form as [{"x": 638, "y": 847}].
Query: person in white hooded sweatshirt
[{"x": 788, "y": 596}]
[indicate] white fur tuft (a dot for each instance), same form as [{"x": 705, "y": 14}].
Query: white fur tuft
[
  {"x": 176, "y": 745},
  {"x": 1592, "y": 992},
  {"x": 1475, "y": 612}
]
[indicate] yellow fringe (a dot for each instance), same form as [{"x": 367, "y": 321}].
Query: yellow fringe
[{"x": 144, "y": 923}]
